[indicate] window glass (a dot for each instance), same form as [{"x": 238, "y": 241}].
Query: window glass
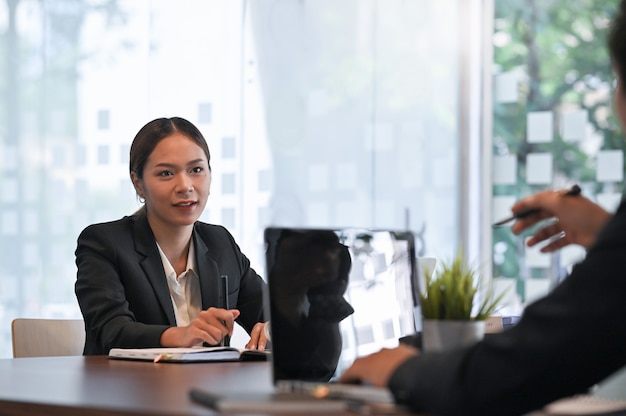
[
  {"x": 228, "y": 183},
  {"x": 204, "y": 113},
  {"x": 323, "y": 113},
  {"x": 552, "y": 124},
  {"x": 228, "y": 147}
]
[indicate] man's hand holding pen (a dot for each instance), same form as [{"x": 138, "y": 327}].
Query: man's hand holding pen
[
  {"x": 576, "y": 219},
  {"x": 527, "y": 212}
]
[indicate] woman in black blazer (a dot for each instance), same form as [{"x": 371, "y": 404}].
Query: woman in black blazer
[{"x": 127, "y": 298}]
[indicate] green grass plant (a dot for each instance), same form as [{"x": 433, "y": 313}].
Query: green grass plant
[{"x": 451, "y": 291}]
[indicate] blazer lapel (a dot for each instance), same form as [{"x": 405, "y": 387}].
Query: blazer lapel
[
  {"x": 207, "y": 273},
  {"x": 145, "y": 244}
]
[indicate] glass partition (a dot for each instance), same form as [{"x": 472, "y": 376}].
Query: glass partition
[
  {"x": 553, "y": 125},
  {"x": 317, "y": 113}
]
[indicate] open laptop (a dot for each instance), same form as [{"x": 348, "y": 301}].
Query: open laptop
[{"x": 333, "y": 295}]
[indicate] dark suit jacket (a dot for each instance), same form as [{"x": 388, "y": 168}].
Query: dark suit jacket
[
  {"x": 564, "y": 343},
  {"x": 122, "y": 289}
]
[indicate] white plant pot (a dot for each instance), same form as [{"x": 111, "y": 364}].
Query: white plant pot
[{"x": 440, "y": 335}]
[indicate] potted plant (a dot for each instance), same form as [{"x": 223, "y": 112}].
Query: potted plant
[{"x": 454, "y": 307}]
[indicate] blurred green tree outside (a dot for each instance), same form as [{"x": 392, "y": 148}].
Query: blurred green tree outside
[{"x": 557, "y": 51}]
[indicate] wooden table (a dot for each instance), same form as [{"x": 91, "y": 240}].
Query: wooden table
[{"x": 98, "y": 386}]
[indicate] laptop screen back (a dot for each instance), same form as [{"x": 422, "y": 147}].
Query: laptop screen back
[{"x": 335, "y": 295}]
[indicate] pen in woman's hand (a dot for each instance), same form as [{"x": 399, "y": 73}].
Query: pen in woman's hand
[
  {"x": 573, "y": 191},
  {"x": 224, "y": 287}
]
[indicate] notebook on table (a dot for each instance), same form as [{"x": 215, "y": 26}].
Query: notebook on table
[
  {"x": 188, "y": 355},
  {"x": 334, "y": 295}
]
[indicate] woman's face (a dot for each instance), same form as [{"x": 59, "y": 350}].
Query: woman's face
[{"x": 176, "y": 182}]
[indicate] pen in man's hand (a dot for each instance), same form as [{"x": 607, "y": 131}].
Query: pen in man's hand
[{"x": 573, "y": 191}]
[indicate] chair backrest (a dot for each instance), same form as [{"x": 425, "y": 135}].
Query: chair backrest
[{"x": 47, "y": 337}]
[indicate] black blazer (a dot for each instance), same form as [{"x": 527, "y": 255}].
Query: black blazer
[
  {"x": 122, "y": 290},
  {"x": 564, "y": 344}
]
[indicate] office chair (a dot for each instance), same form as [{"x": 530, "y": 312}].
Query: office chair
[{"x": 47, "y": 337}]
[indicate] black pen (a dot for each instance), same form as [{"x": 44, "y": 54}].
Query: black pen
[
  {"x": 224, "y": 286},
  {"x": 573, "y": 191}
]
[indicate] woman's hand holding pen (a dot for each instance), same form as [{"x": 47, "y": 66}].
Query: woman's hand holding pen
[
  {"x": 577, "y": 219},
  {"x": 211, "y": 326}
]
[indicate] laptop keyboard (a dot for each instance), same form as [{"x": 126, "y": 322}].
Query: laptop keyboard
[{"x": 356, "y": 392}]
